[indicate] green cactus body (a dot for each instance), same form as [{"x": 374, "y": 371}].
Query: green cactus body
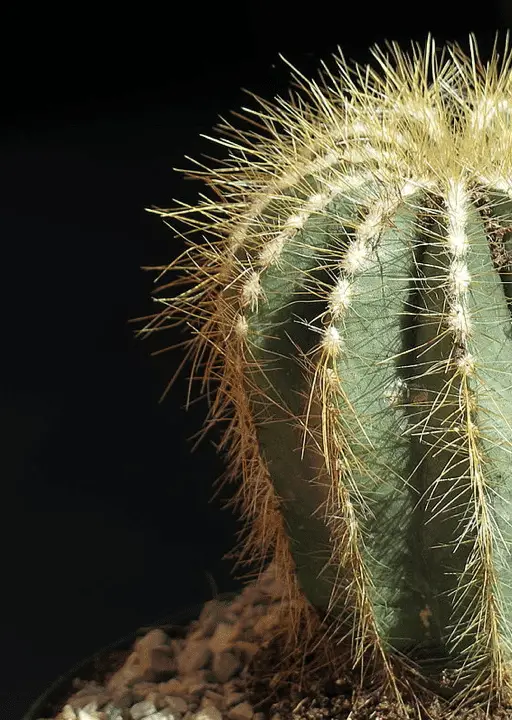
[
  {"x": 355, "y": 309},
  {"x": 371, "y": 421},
  {"x": 405, "y": 412}
]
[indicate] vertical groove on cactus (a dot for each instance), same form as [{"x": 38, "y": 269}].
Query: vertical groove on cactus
[{"x": 350, "y": 319}]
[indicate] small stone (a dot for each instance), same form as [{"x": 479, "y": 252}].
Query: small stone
[
  {"x": 196, "y": 678},
  {"x": 216, "y": 698},
  {"x": 223, "y": 637},
  {"x": 237, "y": 606},
  {"x": 148, "y": 692},
  {"x": 211, "y": 697},
  {"x": 196, "y": 635},
  {"x": 230, "y": 617},
  {"x": 141, "y": 709},
  {"x": 242, "y": 711},
  {"x": 258, "y": 716},
  {"x": 225, "y": 665},
  {"x": 159, "y": 700},
  {"x": 156, "y": 658},
  {"x": 162, "y": 661},
  {"x": 151, "y": 659},
  {"x": 152, "y": 639},
  {"x": 171, "y": 687},
  {"x": 68, "y": 713},
  {"x": 126, "y": 674},
  {"x": 247, "y": 649},
  {"x": 266, "y": 623},
  {"x": 91, "y": 707},
  {"x": 252, "y": 594},
  {"x": 90, "y": 703},
  {"x": 145, "y": 689},
  {"x": 196, "y": 688},
  {"x": 208, "y": 713},
  {"x": 212, "y": 614},
  {"x": 194, "y": 656},
  {"x": 234, "y": 698},
  {"x": 91, "y": 688},
  {"x": 86, "y": 715},
  {"x": 112, "y": 712},
  {"x": 176, "y": 704},
  {"x": 79, "y": 702},
  {"x": 206, "y": 702},
  {"x": 249, "y": 613},
  {"x": 211, "y": 678},
  {"x": 122, "y": 698},
  {"x": 176, "y": 645}
]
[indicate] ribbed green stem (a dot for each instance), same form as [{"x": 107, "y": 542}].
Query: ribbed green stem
[{"x": 403, "y": 413}]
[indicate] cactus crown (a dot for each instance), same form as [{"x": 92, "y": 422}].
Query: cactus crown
[{"x": 349, "y": 303}]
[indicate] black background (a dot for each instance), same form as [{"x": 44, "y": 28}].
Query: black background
[{"x": 106, "y": 520}]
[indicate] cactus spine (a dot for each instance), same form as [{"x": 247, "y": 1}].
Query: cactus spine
[{"x": 351, "y": 304}]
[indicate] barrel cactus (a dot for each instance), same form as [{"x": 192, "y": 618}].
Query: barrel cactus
[{"x": 349, "y": 318}]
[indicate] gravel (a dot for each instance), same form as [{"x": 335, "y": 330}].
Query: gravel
[{"x": 203, "y": 676}]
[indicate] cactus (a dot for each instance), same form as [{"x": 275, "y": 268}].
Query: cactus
[{"x": 349, "y": 317}]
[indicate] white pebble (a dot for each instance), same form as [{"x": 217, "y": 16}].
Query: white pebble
[
  {"x": 208, "y": 713},
  {"x": 142, "y": 709},
  {"x": 68, "y": 713},
  {"x": 84, "y": 714}
]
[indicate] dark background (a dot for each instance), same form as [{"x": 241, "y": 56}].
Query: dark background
[{"x": 106, "y": 520}]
